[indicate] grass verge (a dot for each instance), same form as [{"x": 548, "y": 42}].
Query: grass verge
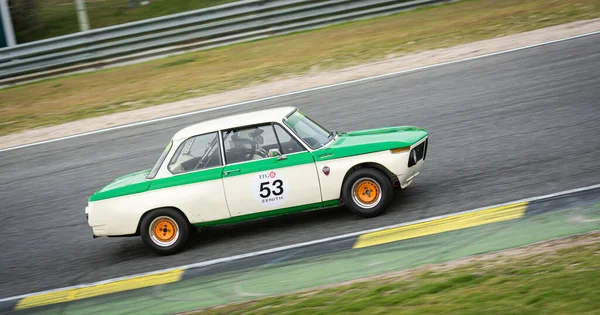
[
  {"x": 65, "y": 99},
  {"x": 560, "y": 280}
]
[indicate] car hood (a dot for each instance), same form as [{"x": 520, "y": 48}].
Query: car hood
[
  {"x": 371, "y": 140},
  {"x": 125, "y": 185}
]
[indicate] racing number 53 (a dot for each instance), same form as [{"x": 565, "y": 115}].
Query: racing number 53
[{"x": 275, "y": 189}]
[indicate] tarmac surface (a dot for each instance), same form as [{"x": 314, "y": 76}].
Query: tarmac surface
[{"x": 501, "y": 128}]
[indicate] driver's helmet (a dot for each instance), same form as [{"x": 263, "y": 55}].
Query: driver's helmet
[
  {"x": 258, "y": 139},
  {"x": 253, "y": 135},
  {"x": 256, "y": 136}
]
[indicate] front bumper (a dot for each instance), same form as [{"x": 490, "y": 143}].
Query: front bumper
[{"x": 416, "y": 159}]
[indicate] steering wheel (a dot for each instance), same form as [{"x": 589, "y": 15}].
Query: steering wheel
[
  {"x": 261, "y": 152},
  {"x": 246, "y": 148}
]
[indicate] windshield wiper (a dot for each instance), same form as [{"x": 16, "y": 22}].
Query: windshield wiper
[{"x": 331, "y": 136}]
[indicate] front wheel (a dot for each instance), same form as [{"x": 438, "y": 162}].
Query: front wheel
[
  {"x": 165, "y": 231},
  {"x": 367, "y": 192}
]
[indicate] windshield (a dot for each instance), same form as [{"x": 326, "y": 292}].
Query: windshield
[
  {"x": 161, "y": 159},
  {"x": 313, "y": 134}
]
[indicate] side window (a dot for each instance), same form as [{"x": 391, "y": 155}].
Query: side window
[
  {"x": 288, "y": 143},
  {"x": 249, "y": 143},
  {"x": 196, "y": 153}
]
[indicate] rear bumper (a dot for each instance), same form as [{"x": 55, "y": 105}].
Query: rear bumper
[{"x": 97, "y": 230}]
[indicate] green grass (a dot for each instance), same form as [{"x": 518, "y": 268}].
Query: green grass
[
  {"x": 70, "y": 98},
  {"x": 175, "y": 63},
  {"x": 554, "y": 282},
  {"x": 58, "y": 17}
]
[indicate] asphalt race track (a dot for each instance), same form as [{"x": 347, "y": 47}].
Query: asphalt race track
[{"x": 502, "y": 128}]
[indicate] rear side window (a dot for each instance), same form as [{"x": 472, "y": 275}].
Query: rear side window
[{"x": 196, "y": 153}]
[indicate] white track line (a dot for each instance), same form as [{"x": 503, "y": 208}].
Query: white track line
[
  {"x": 296, "y": 92},
  {"x": 299, "y": 245}
]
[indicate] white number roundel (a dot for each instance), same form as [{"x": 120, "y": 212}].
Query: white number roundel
[{"x": 269, "y": 189}]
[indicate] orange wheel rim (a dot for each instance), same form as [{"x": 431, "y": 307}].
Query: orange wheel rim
[
  {"x": 164, "y": 229},
  {"x": 367, "y": 191}
]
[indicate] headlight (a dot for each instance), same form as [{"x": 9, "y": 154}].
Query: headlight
[{"x": 412, "y": 158}]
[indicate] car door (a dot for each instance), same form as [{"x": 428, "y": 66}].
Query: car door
[
  {"x": 194, "y": 181},
  {"x": 268, "y": 170}
]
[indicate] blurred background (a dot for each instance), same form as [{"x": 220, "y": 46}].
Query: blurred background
[
  {"x": 91, "y": 90},
  {"x": 40, "y": 19}
]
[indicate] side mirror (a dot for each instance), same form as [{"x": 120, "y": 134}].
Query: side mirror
[{"x": 274, "y": 152}]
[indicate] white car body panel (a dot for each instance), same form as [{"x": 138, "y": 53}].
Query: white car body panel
[
  {"x": 200, "y": 202},
  {"x": 301, "y": 187},
  {"x": 228, "y": 197},
  {"x": 397, "y": 163},
  {"x": 253, "y": 118}
]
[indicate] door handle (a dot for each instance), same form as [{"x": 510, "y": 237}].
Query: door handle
[
  {"x": 282, "y": 157},
  {"x": 231, "y": 171}
]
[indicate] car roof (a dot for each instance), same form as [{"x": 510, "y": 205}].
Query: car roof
[{"x": 233, "y": 121}]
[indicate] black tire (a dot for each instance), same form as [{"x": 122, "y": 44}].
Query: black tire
[
  {"x": 174, "y": 237},
  {"x": 373, "y": 180}
]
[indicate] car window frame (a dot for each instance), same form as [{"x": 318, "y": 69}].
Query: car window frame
[
  {"x": 221, "y": 155},
  {"x": 293, "y": 132},
  {"x": 161, "y": 161},
  {"x": 272, "y": 124},
  {"x": 244, "y": 127}
]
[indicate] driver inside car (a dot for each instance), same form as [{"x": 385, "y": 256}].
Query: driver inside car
[
  {"x": 260, "y": 152},
  {"x": 249, "y": 140}
]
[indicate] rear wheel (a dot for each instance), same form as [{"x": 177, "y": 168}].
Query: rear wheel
[
  {"x": 165, "y": 231},
  {"x": 367, "y": 192}
]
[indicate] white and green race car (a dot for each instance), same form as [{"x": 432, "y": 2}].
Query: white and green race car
[{"x": 256, "y": 165}]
